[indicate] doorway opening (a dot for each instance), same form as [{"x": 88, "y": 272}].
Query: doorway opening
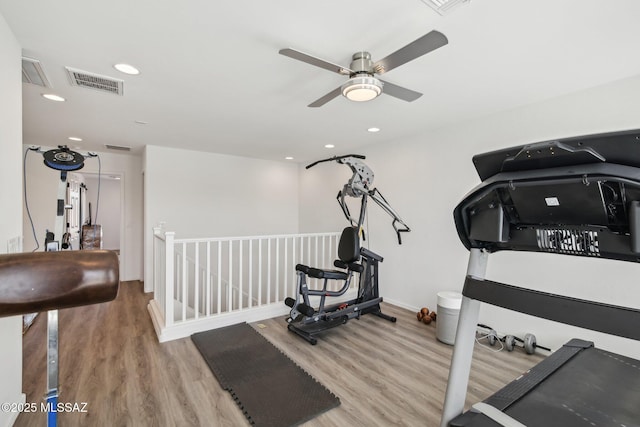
[{"x": 103, "y": 206}]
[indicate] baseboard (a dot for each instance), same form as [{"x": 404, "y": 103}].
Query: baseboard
[
  {"x": 401, "y": 304},
  {"x": 190, "y": 327},
  {"x": 186, "y": 329}
]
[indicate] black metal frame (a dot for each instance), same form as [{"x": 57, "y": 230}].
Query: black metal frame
[
  {"x": 596, "y": 316},
  {"x": 578, "y": 196},
  {"x": 367, "y": 301}
]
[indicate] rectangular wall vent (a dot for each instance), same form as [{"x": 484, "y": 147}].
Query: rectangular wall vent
[
  {"x": 95, "y": 81},
  {"x": 33, "y": 73},
  {"x": 443, "y": 6},
  {"x": 117, "y": 147}
]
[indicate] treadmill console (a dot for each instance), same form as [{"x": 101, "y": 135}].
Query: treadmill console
[{"x": 577, "y": 197}]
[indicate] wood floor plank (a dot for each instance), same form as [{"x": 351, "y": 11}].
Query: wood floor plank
[{"x": 384, "y": 373}]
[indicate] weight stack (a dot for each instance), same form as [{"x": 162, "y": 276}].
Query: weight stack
[{"x": 91, "y": 236}]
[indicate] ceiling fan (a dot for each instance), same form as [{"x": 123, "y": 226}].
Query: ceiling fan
[{"x": 363, "y": 85}]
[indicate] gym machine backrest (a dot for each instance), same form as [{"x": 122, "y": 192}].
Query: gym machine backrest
[
  {"x": 349, "y": 245},
  {"x": 348, "y": 257},
  {"x": 577, "y": 196}
]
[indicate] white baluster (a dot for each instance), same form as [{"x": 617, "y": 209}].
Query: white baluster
[
  {"x": 286, "y": 267},
  {"x": 168, "y": 282},
  {"x": 269, "y": 271},
  {"x": 277, "y": 269},
  {"x": 250, "y": 273},
  {"x": 230, "y": 279},
  {"x": 219, "y": 276},
  {"x": 208, "y": 273},
  {"x": 260, "y": 272},
  {"x": 240, "y": 275},
  {"x": 185, "y": 301},
  {"x": 196, "y": 284}
]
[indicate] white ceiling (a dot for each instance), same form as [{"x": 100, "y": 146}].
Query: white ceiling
[{"x": 212, "y": 79}]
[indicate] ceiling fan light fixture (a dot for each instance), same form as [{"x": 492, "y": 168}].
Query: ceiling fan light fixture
[{"x": 362, "y": 88}]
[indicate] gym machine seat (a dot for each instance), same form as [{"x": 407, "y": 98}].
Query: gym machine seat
[{"x": 577, "y": 196}]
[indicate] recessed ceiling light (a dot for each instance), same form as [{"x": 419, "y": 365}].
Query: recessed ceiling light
[
  {"x": 53, "y": 97},
  {"x": 141, "y": 122},
  {"x": 75, "y": 138},
  {"x": 288, "y": 158},
  {"x": 373, "y": 130},
  {"x": 127, "y": 69},
  {"x": 329, "y": 146}
]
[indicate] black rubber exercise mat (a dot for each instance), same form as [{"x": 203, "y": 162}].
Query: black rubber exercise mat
[{"x": 268, "y": 387}]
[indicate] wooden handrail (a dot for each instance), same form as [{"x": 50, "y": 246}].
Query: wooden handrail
[{"x": 41, "y": 281}]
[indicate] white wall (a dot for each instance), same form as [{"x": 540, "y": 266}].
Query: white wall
[
  {"x": 214, "y": 195},
  {"x": 42, "y": 188},
  {"x": 425, "y": 178},
  {"x": 10, "y": 200}
]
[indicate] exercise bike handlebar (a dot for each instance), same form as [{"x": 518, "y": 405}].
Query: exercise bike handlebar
[{"x": 335, "y": 158}]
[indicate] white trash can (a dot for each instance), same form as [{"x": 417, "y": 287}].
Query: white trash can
[{"x": 448, "y": 312}]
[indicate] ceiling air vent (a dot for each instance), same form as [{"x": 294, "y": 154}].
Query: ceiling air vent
[
  {"x": 117, "y": 147},
  {"x": 33, "y": 73},
  {"x": 443, "y": 6},
  {"x": 95, "y": 81}
]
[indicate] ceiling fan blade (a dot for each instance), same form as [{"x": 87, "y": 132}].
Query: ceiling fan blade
[
  {"x": 328, "y": 97},
  {"x": 304, "y": 57},
  {"x": 425, "y": 44},
  {"x": 400, "y": 92}
]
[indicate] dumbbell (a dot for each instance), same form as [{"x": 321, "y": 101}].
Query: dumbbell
[
  {"x": 528, "y": 343},
  {"x": 426, "y": 316},
  {"x": 492, "y": 335}
]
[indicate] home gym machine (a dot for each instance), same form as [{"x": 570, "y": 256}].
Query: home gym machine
[
  {"x": 306, "y": 321},
  {"x": 64, "y": 160},
  {"x": 577, "y": 196},
  {"x": 59, "y": 278}
]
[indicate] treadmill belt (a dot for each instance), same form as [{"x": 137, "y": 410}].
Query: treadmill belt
[{"x": 594, "y": 388}]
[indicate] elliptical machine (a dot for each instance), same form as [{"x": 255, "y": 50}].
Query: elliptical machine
[{"x": 306, "y": 321}]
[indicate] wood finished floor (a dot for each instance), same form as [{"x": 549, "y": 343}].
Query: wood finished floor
[{"x": 384, "y": 373}]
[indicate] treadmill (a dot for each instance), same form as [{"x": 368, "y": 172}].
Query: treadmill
[{"x": 577, "y": 196}]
